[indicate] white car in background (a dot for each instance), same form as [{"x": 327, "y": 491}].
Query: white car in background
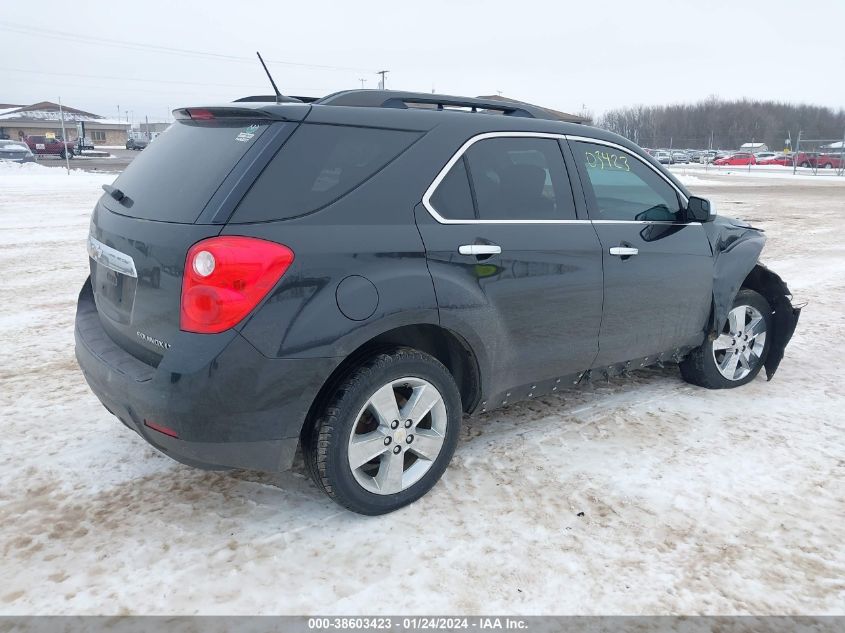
[
  {"x": 15, "y": 152},
  {"x": 765, "y": 155}
]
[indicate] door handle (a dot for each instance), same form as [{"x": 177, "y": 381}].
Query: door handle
[
  {"x": 479, "y": 249},
  {"x": 623, "y": 251}
]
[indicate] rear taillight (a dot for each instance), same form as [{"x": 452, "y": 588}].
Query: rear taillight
[{"x": 225, "y": 278}]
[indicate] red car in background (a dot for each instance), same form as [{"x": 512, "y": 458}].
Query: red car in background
[
  {"x": 44, "y": 145},
  {"x": 806, "y": 159},
  {"x": 783, "y": 160},
  {"x": 830, "y": 161},
  {"x": 741, "y": 158}
]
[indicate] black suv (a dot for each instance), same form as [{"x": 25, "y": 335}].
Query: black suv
[{"x": 355, "y": 274}]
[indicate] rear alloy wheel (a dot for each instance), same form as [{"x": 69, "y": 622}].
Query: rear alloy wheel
[
  {"x": 737, "y": 355},
  {"x": 388, "y": 434}
]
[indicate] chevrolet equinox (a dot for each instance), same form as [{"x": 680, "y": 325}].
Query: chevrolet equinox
[{"x": 353, "y": 274}]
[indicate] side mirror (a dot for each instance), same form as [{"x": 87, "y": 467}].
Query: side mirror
[{"x": 700, "y": 210}]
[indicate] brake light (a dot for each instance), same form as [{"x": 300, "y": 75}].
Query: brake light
[
  {"x": 199, "y": 114},
  {"x": 225, "y": 278}
]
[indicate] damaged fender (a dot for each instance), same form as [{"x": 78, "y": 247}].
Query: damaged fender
[{"x": 736, "y": 250}]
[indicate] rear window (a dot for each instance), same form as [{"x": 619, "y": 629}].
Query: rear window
[
  {"x": 176, "y": 175},
  {"x": 318, "y": 165}
]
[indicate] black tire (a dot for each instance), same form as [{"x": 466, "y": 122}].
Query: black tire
[
  {"x": 699, "y": 368},
  {"x": 325, "y": 444}
]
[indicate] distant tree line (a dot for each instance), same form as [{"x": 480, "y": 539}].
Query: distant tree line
[{"x": 724, "y": 124}]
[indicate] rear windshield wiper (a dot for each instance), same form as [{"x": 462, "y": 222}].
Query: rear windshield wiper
[{"x": 118, "y": 195}]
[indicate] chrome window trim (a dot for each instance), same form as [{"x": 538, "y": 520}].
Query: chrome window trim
[{"x": 426, "y": 200}]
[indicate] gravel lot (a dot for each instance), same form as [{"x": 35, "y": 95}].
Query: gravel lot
[{"x": 638, "y": 496}]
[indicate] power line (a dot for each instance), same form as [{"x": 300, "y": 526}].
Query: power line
[
  {"x": 158, "y": 81},
  {"x": 23, "y": 29}
]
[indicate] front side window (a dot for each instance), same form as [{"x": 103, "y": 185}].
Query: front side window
[{"x": 625, "y": 188}]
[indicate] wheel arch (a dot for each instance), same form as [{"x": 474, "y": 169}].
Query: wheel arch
[
  {"x": 784, "y": 314},
  {"x": 446, "y": 346}
]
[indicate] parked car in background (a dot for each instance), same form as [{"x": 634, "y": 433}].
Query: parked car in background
[
  {"x": 758, "y": 156},
  {"x": 15, "y": 151},
  {"x": 806, "y": 159},
  {"x": 679, "y": 156},
  {"x": 351, "y": 278},
  {"x": 662, "y": 156},
  {"x": 48, "y": 145},
  {"x": 707, "y": 156},
  {"x": 831, "y": 161},
  {"x": 784, "y": 160},
  {"x": 740, "y": 158},
  {"x": 136, "y": 142}
]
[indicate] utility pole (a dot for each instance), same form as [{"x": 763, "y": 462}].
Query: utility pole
[
  {"x": 64, "y": 140},
  {"x": 382, "y": 84},
  {"x": 363, "y": 81}
]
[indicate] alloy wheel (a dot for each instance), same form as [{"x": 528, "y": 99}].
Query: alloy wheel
[
  {"x": 397, "y": 436},
  {"x": 739, "y": 349}
]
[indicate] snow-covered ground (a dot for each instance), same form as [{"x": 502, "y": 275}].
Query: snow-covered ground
[{"x": 642, "y": 495}]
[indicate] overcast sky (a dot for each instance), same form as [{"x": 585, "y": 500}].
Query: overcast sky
[{"x": 600, "y": 54}]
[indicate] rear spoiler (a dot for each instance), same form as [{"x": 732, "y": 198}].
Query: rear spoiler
[{"x": 290, "y": 111}]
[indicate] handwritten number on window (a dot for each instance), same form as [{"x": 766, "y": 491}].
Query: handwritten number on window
[{"x": 606, "y": 160}]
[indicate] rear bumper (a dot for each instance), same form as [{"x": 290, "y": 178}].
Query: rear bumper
[{"x": 238, "y": 410}]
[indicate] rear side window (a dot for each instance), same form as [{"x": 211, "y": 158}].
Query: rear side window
[
  {"x": 176, "y": 175},
  {"x": 318, "y": 165},
  {"x": 510, "y": 178}
]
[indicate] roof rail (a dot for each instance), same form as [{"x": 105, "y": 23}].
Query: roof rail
[{"x": 401, "y": 99}]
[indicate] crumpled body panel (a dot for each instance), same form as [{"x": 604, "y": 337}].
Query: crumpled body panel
[{"x": 736, "y": 250}]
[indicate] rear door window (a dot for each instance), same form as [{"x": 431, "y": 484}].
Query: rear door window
[
  {"x": 453, "y": 198},
  {"x": 318, "y": 165},
  {"x": 174, "y": 177},
  {"x": 520, "y": 179}
]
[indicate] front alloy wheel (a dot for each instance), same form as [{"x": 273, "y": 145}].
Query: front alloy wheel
[
  {"x": 739, "y": 349},
  {"x": 738, "y": 353}
]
